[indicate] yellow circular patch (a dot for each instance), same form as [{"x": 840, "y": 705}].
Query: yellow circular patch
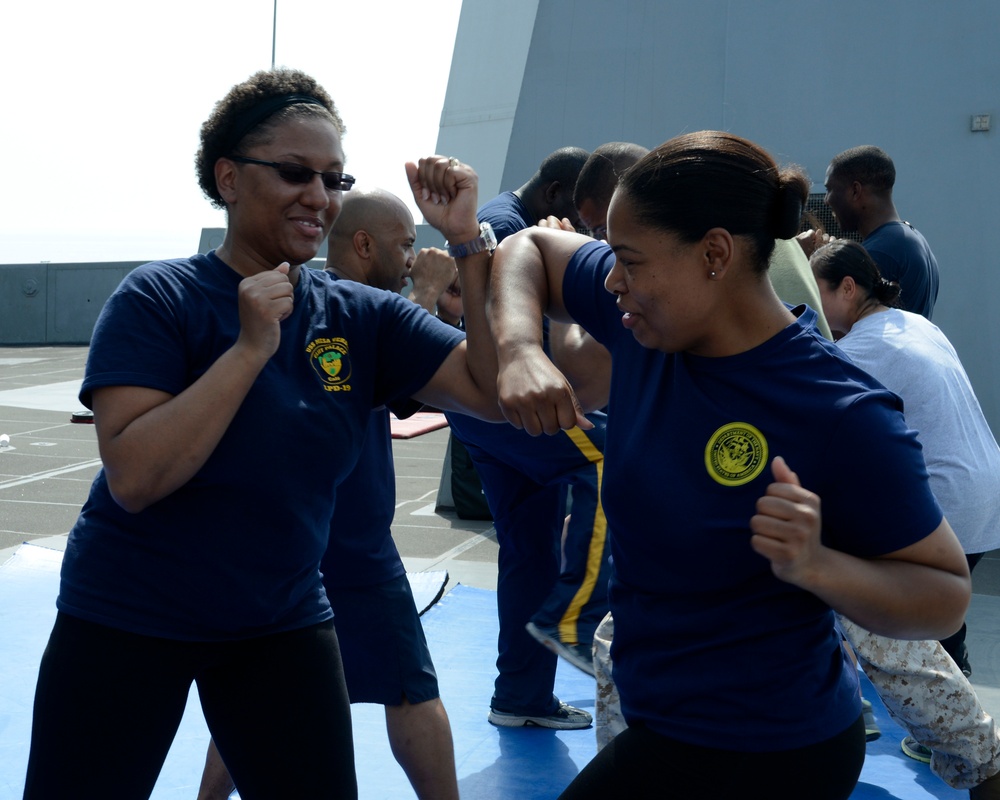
[{"x": 736, "y": 454}]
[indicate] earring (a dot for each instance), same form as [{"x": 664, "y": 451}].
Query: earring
[{"x": 711, "y": 274}]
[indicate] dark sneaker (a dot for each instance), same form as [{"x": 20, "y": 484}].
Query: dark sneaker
[
  {"x": 872, "y": 730},
  {"x": 565, "y": 718},
  {"x": 579, "y": 655},
  {"x": 915, "y": 750},
  {"x": 962, "y": 659}
]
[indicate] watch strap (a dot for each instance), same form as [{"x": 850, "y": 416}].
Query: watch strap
[{"x": 485, "y": 241}]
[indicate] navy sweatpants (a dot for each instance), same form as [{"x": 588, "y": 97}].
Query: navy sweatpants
[{"x": 525, "y": 480}]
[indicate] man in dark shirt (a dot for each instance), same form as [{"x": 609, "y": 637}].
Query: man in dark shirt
[{"x": 859, "y": 185}]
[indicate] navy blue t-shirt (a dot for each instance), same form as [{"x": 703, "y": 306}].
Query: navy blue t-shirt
[
  {"x": 506, "y": 214},
  {"x": 708, "y": 643},
  {"x": 361, "y": 551},
  {"x": 235, "y": 552},
  {"x": 903, "y": 255}
]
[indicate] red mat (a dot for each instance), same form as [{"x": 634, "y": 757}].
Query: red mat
[{"x": 419, "y": 423}]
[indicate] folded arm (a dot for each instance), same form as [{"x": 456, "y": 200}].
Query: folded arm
[
  {"x": 152, "y": 442},
  {"x": 919, "y": 592}
]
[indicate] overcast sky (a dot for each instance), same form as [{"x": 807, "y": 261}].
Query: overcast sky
[{"x": 102, "y": 102}]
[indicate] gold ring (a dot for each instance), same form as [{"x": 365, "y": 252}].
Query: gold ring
[{"x": 453, "y": 162}]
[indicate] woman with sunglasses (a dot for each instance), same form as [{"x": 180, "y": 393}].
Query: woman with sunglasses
[
  {"x": 729, "y": 420},
  {"x": 231, "y": 393}
]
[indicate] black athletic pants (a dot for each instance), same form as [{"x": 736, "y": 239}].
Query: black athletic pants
[
  {"x": 641, "y": 764},
  {"x": 108, "y": 703}
]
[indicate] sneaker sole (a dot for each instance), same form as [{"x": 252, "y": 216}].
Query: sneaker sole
[
  {"x": 503, "y": 720},
  {"x": 560, "y": 649},
  {"x": 872, "y": 730},
  {"x": 916, "y": 755}
]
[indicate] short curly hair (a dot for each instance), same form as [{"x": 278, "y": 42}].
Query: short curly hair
[{"x": 219, "y": 130}]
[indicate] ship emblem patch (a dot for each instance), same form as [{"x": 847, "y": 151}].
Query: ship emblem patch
[{"x": 736, "y": 454}]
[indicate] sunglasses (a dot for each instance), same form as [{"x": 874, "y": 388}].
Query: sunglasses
[{"x": 298, "y": 173}]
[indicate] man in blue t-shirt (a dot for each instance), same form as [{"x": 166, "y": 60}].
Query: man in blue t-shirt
[
  {"x": 859, "y": 185},
  {"x": 525, "y": 480},
  {"x": 385, "y": 655}
]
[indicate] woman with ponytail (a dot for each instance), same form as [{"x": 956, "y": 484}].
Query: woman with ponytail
[
  {"x": 850, "y": 284},
  {"x": 730, "y": 418}
]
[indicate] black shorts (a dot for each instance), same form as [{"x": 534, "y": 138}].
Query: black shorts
[{"x": 382, "y": 644}]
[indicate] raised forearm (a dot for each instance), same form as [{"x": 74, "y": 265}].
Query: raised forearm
[
  {"x": 525, "y": 284},
  {"x": 474, "y": 275},
  {"x": 519, "y": 294}
]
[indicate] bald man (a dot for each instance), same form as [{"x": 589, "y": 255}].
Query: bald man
[
  {"x": 372, "y": 240},
  {"x": 385, "y": 654}
]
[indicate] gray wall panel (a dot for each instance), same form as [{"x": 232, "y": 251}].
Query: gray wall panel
[
  {"x": 55, "y": 303},
  {"x": 488, "y": 67},
  {"x": 22, "y": 303},
  {"x": 76, "y": 295}
]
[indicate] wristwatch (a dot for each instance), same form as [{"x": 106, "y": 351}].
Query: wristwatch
[{"x": 486, "y": 240}]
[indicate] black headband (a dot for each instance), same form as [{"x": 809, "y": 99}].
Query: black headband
[{"x": 251, "y": 117}]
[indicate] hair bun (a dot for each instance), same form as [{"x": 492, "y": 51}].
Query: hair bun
[
  {"x": 786, "y": 213},
  {"x": 885, "y": 291}
]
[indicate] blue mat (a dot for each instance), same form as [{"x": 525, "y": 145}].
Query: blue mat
[{"x": 493, "y": 763}]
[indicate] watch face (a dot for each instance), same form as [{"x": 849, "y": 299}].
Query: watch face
[{"x": 489, "y": 237}]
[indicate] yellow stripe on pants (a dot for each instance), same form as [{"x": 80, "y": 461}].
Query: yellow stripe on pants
[{"x": 568, "y": 624}]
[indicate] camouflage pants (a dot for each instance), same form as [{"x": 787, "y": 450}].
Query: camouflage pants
[
  {"x": 608, "y": 720},
  {"x": 927, "y": 694},
  {"x": 919, "y": 683}
]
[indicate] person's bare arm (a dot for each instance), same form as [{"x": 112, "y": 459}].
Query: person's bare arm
[
  {"x": 446, "y": 191},
  {"x": 584, "y": 361},
  {"x": 575, "y": 353},
  {"x": 453, "y": 387},
  {"x": 919, "y": 592},
  {"x": 152, "y": 442},
  {"x": 526, "y": 283}
]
